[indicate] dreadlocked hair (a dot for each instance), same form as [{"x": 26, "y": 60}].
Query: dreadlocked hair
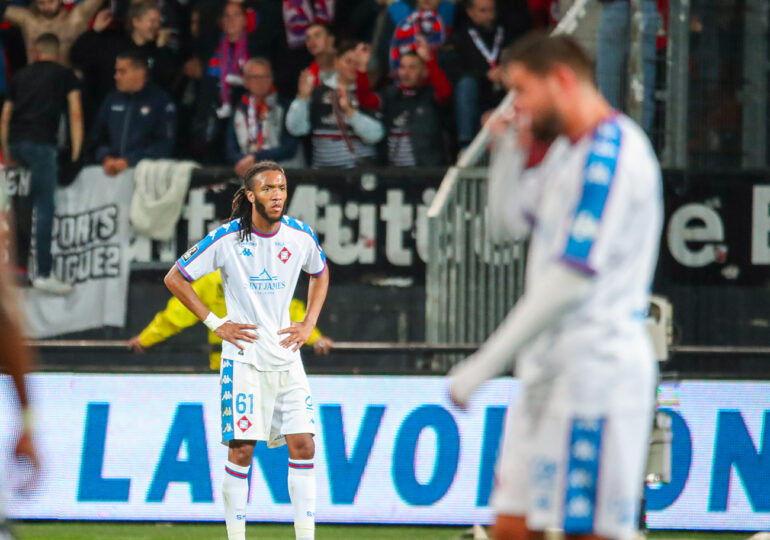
[{"x": 241, "y": 205}]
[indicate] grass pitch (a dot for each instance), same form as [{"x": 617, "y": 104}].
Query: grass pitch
[{"x": 69, "y": 530}]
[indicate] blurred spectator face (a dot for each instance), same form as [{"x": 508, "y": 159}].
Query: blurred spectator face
[
  {"x": 128, "y": 77},
  {"x": 148, "y": 25},
  {"x": 318, "y": 40},
  {"x": 233, "y": 21},
  {"x": 482, "y": 12},
  {"x": 411, "y": 71},
  {"x": 346, "y": 67},
  {"x": 195, "y": 18},
  {"x": 426, "y": 5},
  {"x": 48, "y": 8},
  {"x": 258, "y": 79}
]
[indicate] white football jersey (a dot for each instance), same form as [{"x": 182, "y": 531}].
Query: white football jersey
[
  {"x": 259, "y": 276},
  {"x": 596, "y": 205}
]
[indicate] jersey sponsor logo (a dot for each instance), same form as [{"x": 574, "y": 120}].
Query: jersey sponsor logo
[
  {"x": 579, "y": 507},
  {"x": 284, "y": 255},
  {"x": 227, "y": 395},
  {"x": 244, "y": 424},
  {"x": 228, "y": 428},
  {"x": 309, "y": 403},
  {"x": 226, "y": 379},
  {"x": 247, "y": 252},
  {"x": 227, "y": 412},
  {"x": 599, "y": 173},
  {"x": 226, "y": 363},
  {"x": 189, "y": 253},
  {"x": 603, "y": 148},
  {"x": 584, "y": 450},
  {"x": 265, "y": 283},
  {"x": 585, "y": 227},
  {"x": 580, "y": 479}
]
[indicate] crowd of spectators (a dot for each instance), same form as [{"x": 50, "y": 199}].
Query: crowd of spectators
[{"x": 322, "y": 83}]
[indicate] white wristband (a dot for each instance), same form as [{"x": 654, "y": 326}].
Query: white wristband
[
  {"x": 27, "y": 419},
  {"x": 213, "y": 322}
]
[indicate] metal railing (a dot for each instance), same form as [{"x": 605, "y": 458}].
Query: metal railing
[{"x": 471, "y": 283}]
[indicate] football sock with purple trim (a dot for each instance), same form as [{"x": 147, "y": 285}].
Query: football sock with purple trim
[
  {"x": 235, "y": 492},
  {"x": 302, "y": 493}
]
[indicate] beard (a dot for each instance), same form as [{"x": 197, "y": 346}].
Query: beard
[
  {"x": 549, "y": 126},
  {"x": 262, "y": 211}
]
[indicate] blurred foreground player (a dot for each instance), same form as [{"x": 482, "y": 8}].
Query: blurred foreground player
[
  {"x": 265, "y": 393},
  {"x": 576, "y": 439},
  {"x": 14, "y": 354}
]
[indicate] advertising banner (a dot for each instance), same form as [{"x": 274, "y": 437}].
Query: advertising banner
[
  {"x": 91, "y": 235},
  {"x": 388, "y": 450}
]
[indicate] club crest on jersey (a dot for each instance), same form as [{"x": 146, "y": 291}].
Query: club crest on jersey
[
  {"x": 244, "y": 424},
  {"x": 189, "y": 253},
  {"x": 284, "y": 255}
]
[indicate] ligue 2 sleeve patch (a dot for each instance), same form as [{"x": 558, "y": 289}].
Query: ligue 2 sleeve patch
[{"x": 189, "y": 253}]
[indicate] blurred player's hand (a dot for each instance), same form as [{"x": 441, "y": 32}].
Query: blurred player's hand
[
  {"x": 299, "y": 333},
  {"x": 27, "y": 460},
  {"x": 323, "y": 345},
  {"x": 25, "y": 448},
  {"x": 233, "y": 332},
  {"x": 134, "y": 345}
]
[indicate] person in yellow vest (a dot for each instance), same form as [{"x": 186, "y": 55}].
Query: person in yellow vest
[{"x": 177, "y": 317}]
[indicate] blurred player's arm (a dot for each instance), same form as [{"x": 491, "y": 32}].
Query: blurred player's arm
[
  {"x": 539, "y": 309},
  {"x": 227, "y": 330},
  {"x": 300, "y": 332},
  {"x": 15, "y": 356}
]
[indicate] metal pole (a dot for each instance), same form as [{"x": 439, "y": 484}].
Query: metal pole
[
  {"x": 677, "y": 77},
  {"x": 636, "y": 82},
  {"x": 755, "y": 84}
]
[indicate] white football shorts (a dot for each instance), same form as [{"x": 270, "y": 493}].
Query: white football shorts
[
  {"x": 581, "y": 474},
  {"x": 264, "y": 405}
]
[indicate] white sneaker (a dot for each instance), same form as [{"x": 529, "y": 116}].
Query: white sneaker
[{"x": 51, "y": 285}]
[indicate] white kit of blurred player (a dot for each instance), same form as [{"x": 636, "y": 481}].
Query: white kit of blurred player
[
  {"x": 576, "y": 437},
  {"x": 265, "y": 394}
]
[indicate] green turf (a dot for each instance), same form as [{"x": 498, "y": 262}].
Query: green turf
[{"x": 152, "y": 531}]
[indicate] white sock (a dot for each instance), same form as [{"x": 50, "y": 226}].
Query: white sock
[
  {"x": 302, "y": 493},
  {"x": 235, "y": 491}
]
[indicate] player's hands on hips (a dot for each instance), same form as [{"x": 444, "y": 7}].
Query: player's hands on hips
[
  {"x": 135, "y": 345},
  {"x": 323, "y": 345},
  {"x": 299, "y": 333},
  {"x": 235, "y": 332}
]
